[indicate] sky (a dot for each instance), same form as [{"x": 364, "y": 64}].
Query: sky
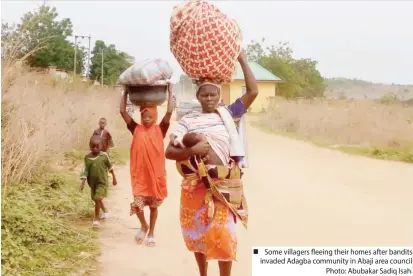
[{"x": 369, "y": 40}]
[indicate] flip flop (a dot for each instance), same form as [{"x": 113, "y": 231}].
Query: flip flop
[
  {"x": 150, "y": 242},
  {"x": 140, "y": 236}
]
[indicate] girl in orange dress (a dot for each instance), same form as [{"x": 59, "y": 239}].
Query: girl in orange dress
[{"x": 147, "y": 165}]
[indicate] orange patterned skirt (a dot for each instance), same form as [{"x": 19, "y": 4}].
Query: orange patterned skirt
[
  {"x": 215, "y": 237},
  {"x": 139, "y": 202}
]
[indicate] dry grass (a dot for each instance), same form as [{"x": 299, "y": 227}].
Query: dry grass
[
  {"x": 347, "y": 124},
  {"x": 42, "y": 118},
  {"x": 45, "y": 122}
]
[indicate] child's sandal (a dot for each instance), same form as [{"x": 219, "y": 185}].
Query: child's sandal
[
  {"x": 150, "y": 242},
  {"x": 140, "y": 236}
]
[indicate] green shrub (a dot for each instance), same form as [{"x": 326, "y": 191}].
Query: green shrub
[
  {"x": 389, "y": 98},
  {"x": 39, "y": 236}
]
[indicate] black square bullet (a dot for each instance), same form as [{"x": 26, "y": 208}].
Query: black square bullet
[{"x": 255, "y": 251}]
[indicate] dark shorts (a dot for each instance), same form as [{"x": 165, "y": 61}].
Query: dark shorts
[{"x": 99, "y": 192}]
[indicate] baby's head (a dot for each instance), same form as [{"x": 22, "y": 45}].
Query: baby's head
[{"x": 191, "y": 139}]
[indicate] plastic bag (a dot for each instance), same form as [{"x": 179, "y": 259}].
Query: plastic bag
[{"x": 147, "y": 72}]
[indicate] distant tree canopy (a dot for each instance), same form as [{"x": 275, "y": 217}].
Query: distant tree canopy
[
  {"x": 42, "y": 40},
  {"x": 114, "y": 63},
  {"x": 302, "y": 79}
]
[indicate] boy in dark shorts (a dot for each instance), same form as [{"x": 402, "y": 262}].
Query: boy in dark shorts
[
  {"x": 105, "y": 136},
  {"x": 95, "y": 172}
]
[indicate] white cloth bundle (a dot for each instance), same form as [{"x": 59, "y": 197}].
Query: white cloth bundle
[
  {"x": 147, "y": 72},
  {"x": 237, "y": 136}
]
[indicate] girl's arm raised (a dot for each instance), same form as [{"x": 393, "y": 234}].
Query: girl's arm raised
[
  {"x": 166, "y": 120},
  {"x": 125, "y": 115}
]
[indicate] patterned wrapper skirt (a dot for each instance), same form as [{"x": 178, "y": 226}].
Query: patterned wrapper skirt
[
  {"x": 139, "y": 202},
  {"x": 213, "y": 237}
]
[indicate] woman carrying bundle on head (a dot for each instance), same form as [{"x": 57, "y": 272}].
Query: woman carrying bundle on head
[
  {"x": 212, "y": 198},
  {"x": 147, "y": 164}
]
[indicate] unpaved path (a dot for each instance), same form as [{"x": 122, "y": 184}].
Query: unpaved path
[{"x": 298, "y": 194}]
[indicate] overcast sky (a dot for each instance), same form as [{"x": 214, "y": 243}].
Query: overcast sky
[{"x": 370, "y": 40}]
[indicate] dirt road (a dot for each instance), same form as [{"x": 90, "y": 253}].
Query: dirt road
[{"x": 298, "y": 194}]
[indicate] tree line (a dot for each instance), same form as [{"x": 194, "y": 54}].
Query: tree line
[
  {"x": 301, "y": 77},
  {"x": 41, "y": 39}
]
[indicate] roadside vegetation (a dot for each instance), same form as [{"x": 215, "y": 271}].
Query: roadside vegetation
[
  {"x": 363, "y": 127},
  {"x": 46, "y": 125},
  {"x": 363, "y": 119}
]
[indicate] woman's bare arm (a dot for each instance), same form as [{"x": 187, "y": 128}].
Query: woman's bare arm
[
  {"x": 250, "y": 82},
  {"x": 179, "y": 154},
  {"x": 125, "y": 115}
]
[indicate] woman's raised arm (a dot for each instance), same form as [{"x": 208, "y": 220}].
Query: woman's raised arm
[{"x": 250, "y": 83}]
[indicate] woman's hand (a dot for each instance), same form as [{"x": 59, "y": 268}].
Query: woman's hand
[
  {"x": 201, "y": 148},
  {"x": 241, "y": 56}
]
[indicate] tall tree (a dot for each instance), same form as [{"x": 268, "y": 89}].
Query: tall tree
[
  {"x": 302, "y": 79},
  {"x": 114, "y": 62},
  {"x": 42, "y": 31}
]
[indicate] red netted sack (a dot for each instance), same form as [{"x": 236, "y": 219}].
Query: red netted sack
[{"x": 204, "y": 41}]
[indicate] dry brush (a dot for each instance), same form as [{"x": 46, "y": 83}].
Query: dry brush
[
  {"x": 42, "y": 118},
  {"x": 349, "y": 123}
]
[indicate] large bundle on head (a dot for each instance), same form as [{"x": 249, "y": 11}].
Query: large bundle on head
[
  {"x": 146, "y": 81},
  {"x": 204, "y": 41},
  {"x": 146, "y": 72}
]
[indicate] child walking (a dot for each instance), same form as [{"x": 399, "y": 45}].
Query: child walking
[
  {"x": 104, "y": 134},
  {"x": 95, "y": 172},
  {"x": 147, "y": 165}
]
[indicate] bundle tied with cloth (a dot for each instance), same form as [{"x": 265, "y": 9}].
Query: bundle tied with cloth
[
  {"x": 146, "y": 82},
  {"x": 205, "y": 42}
]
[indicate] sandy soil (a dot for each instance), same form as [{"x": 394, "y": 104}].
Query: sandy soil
[{"x": 298, "y": 194}]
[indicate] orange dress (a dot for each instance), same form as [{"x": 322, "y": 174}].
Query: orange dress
[{"x": 147, "y": 165}]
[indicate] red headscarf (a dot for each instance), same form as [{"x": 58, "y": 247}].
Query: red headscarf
[{"x": 147, "y": 159}]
